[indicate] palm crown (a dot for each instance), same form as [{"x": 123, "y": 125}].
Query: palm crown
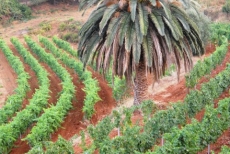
[{"x": 132, "y": 32}]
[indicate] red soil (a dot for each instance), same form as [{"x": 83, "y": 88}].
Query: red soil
[{"x": 7, "y": 78}]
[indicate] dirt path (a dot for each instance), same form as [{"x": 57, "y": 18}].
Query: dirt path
[{"x": 7, "y": 79}]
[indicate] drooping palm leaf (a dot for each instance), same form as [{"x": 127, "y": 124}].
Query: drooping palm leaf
[
  {"x": 133, "y": 8},
  {"x": 129, "y": 30}
]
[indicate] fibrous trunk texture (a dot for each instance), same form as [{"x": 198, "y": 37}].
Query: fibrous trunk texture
[{"x": 140, "y": 84}]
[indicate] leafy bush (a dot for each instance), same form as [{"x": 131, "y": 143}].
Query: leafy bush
[
  {"x": 69, "y": 30},
  {"x": 226, "y": 7},
  {"x": 71, "y": 37},
  {"x": 45, "y": 26},
  {"x": 119, "y": 88},
  {"x": 15, "y": 10}
]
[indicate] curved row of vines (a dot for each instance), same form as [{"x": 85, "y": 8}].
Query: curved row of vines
[
  {"x": 23, "y": 119},
  {"x": 54, "y": 115}
]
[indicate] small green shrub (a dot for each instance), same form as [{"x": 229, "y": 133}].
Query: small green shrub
[
  {"x": 70, "y": 37},
  {"x": 119, "y": 88},
  {"x": 169, "y": 70},
  {"x": 45, "y": 26},
  {"x": 62, "y": 27},
  {"x": 69, "y": 30},
  {"x": 226, "y": 7}
]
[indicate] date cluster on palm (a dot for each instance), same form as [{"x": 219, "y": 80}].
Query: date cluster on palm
[{"x": 137, "y": 37}]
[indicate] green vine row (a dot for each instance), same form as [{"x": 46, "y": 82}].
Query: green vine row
[
  {"x": 11, "y": 131},
  {"x": 218, "y": 31},
  {"x": 162, "y": 121},
  {"x": 91, "y": 85},
  {"x": 197, "y": 135},
  {"x": 225, "y": 150},
  {"x": 61, "y": 146},
  {"x": 14, "y": 102},
  {"x": 65, "y": 46},
  {"x": 205, "y": 67},
  {"x": 52, "y": 117}
]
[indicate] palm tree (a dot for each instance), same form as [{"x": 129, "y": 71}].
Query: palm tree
[{"x": 138, "y": 37}]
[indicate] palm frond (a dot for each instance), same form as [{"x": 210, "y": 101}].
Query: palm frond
[
  {"x": 107, "y": 15},
  {"x": 128, "y": 37},
  {"x": 112, "y": 30},
  {"x": 177, "y": 27},
  {"x": 171, "y": 27},
  {"x": 95, "y": 16},
  {"x": 85, "y": 4},
  {"x": 133, "y": 8},
  {"x": 168, "y": 40},
  {"x": 138, "y": 30},
  {"x": 166, "y": 9},
  {"x": 136, "y": 49},
  {"x": 143, "y": 19},
  {"x": 148, "y": 49},
  {"x": 159, "y": 24},
  {"x": 181, "y": 16},
  {"x": 123, "y": 27},
  {"x": 90, "y": 48},
  {"x": 157, "y": 47}
]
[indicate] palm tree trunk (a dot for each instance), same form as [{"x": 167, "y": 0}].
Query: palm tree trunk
[{"x": 140, "y": 84}]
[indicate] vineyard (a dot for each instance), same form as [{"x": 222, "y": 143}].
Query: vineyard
[
  {"x": 34, "y": 124},
  {"x": 60, "y": 106}
]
